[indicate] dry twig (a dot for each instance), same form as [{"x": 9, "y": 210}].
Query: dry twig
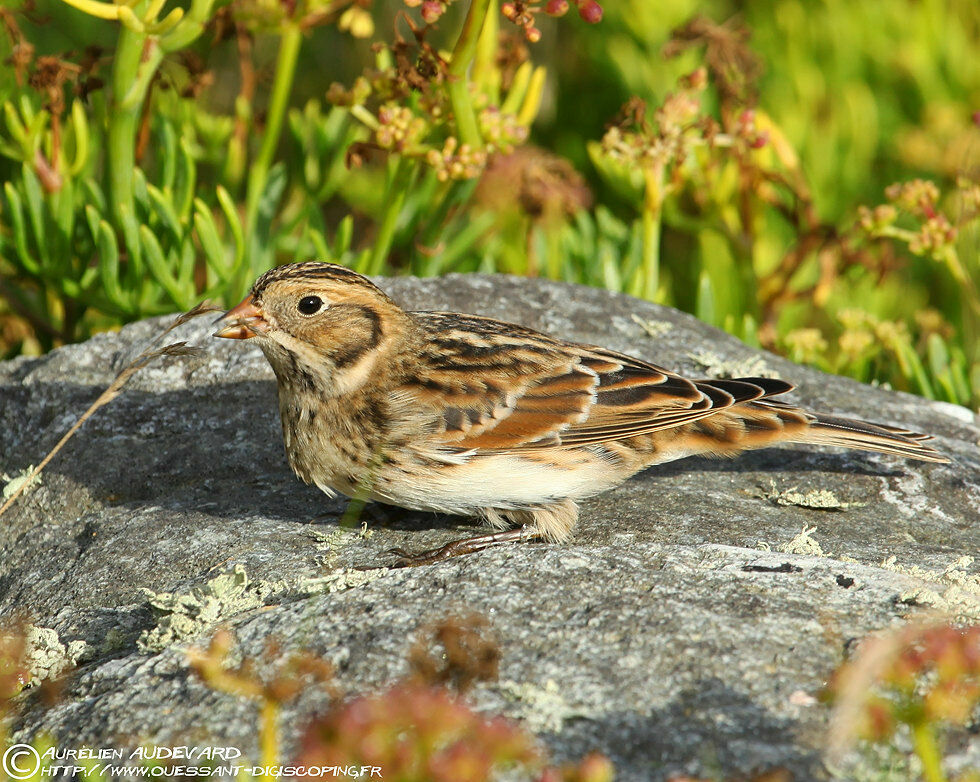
[{"x": 116, "y": 387}]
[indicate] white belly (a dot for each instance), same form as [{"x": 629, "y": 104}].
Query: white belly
[{"x": 501, "y": 481}]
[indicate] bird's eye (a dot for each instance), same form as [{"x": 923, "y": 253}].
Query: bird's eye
[{"x": 310, "y": 305}]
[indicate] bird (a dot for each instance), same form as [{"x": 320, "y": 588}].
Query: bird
[{"x": 463, "y": 414}]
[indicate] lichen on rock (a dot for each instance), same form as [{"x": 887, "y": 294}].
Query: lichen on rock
[{"x": 185, "y": 615}]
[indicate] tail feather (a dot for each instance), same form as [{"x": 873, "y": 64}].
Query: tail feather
[
  {"x": 748, "y": 418},
  {"x": 850, "y": 433}
]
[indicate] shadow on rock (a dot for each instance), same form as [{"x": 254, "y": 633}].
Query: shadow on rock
[{"x": 705, "y": 728}]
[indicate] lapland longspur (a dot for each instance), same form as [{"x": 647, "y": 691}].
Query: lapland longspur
[{"x": 462, "y": 414}]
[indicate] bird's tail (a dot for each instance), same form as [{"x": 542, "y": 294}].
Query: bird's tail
[
  {"x": 851, "y": 433},
  {"x": 823, "y": 429},
  {"x": 757, "y": 420}
]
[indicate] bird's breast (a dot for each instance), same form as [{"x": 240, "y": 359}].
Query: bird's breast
[{"x": 327, "y": 442}]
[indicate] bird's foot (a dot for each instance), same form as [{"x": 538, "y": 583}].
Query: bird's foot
[{"x": 459, "y": 548}]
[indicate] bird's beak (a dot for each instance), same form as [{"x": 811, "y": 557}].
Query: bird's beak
[{"x": 242, "y": 322}]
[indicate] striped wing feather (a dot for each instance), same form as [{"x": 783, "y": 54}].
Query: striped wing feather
[
  {"x": 510, "y": 388},
  {"x": 635, "y": 398},
  {"x": 494, "y": 386}
]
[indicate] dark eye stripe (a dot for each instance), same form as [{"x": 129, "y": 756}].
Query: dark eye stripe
[{"x": 351, "y": 352}]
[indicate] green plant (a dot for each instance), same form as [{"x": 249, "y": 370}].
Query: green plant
[
  {"x": 731, "y": 186},
  {"x": 63, "y": 206},
  {"x": 922, "y": 678},
  {"x": 88, "y": 239},
  {"x": 272, "y": 681},
  {"x": 921, "y": 353},
  {"x": 768, "y": 268},
  {"x": 416, "y": 730}
]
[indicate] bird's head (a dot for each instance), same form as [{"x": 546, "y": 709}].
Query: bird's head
[{"x": 317, "y": 323}]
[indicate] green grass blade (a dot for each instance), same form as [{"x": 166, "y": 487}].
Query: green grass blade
[
  {"x": 164, "y": 211},
  {"x": 15, "y": 208},
  {"x": 210, "y": 239},
  {"x": 109, "y": 266},
  {"x": 159, "y": 267},
  {"x": 36, "y": 212}
]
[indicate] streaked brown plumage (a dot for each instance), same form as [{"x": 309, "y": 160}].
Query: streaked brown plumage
[{"x": 463, "y": 414}]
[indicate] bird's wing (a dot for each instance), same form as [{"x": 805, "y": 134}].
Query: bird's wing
[
  {"x": 495, "y": 386},
  {"x": 634, "y": 397}
]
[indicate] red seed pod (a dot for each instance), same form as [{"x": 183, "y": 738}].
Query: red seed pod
[
  {"x": 696, "y": 79},
  {"x": 556, "y": 7},
  {"x": 590, "y": 11},
  {"x": 431, "y": 10},
  {"x": 532, "y": 33},
  {"x": 509, "y": 10}
]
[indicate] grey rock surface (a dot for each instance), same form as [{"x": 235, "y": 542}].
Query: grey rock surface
[{"x": 683, "y": 629}]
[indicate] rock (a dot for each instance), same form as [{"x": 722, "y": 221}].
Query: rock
[{"x": 684, "y": 628}]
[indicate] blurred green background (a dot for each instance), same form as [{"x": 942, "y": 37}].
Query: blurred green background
[{"x": 803, "y": 174}]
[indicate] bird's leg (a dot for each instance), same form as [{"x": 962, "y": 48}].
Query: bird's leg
[{"x": 459, "y": 548}]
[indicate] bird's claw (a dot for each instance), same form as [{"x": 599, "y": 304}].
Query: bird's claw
[{"x": 459, "y": 548}]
